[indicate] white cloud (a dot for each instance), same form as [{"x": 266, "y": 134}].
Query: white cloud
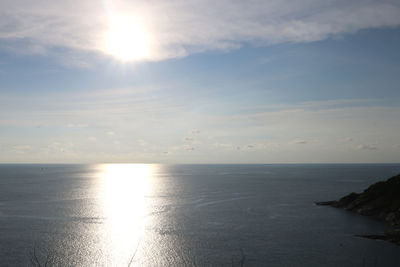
[
  {"x": 224, "y": 138},
  {"x": 367, "y": 147},
  {"x": 195, "y": 132},
  {"x": 181, "y": 27},
  {"x": 21, "y": 148},
  {"x": 224, "y": 145}
]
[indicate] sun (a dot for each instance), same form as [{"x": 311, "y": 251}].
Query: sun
[{"x": 127, "y": 39}]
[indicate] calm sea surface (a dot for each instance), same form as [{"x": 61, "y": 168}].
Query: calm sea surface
[{"x": 188, "y": 215}]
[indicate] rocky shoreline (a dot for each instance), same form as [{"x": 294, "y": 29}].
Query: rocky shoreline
[{"x": 381, "y": 200}]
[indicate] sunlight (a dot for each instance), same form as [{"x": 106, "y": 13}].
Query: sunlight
[
  {"x": 123, "y": 188},
  {"x": 127, "y": 38}
]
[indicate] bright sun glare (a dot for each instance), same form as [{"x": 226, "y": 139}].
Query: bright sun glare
[
  {"x": 123, "y": 189},
  {"x": 127, "y": 38}
]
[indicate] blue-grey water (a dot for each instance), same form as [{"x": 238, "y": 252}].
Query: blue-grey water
[{"x": 188, "y": 215}]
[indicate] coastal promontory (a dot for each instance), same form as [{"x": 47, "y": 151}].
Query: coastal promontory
[{"x": 381, "y": 200}]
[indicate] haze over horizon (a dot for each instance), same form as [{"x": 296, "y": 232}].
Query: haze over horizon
[{"x": 199, "y": 81}]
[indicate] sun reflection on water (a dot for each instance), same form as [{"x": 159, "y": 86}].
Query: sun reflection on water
[{"x": 123, "y": 191}]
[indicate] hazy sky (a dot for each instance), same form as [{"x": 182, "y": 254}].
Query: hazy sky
[{"x": 199, "y": 81}]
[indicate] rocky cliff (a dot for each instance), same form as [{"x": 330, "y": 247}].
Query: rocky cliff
[{"x": 381, "y": 200}]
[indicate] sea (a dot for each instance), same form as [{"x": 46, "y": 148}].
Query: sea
[{"x": 188, "y": 215}]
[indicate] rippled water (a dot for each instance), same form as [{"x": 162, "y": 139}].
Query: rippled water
[{"x": 187, "y": 215}]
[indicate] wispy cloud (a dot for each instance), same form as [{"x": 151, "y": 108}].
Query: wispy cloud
[
  {"x": 21, "y": 148},
  {"x": 181, "y": 28},
  {"x": 224, "y": 145},
  {"x": 142, "y": 132},
  {"x": 73, "y": 125},
  {"x": 367, "y": 147},
  {"x": 299, "y": 141}
]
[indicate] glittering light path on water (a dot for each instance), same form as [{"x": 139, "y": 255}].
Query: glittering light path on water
[{"x": 123, "y": 188}]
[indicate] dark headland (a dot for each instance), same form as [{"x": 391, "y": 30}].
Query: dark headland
[{"x": 381, "y": 200}]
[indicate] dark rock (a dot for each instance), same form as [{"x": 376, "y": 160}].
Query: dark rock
[
  {"x": 346, "y": 202},
  {"x": 326, "y": 203},
  {"x": 391, "y": 236},
  {"x": 375, "y": 237},
  {"x": 381, "y": 200}
]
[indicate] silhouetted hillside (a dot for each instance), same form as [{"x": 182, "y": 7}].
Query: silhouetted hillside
[{"x": 381, "y": 200}]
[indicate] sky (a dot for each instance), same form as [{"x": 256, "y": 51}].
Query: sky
[{"x": 173, "y": 81}]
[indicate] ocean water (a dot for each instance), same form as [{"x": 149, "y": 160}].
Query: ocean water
[{"x": 188, "y": 215}]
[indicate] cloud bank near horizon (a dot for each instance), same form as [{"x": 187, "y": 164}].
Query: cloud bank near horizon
[
  {"x": 180, "y": 28},
  {"x": 102, "y": 127}
]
